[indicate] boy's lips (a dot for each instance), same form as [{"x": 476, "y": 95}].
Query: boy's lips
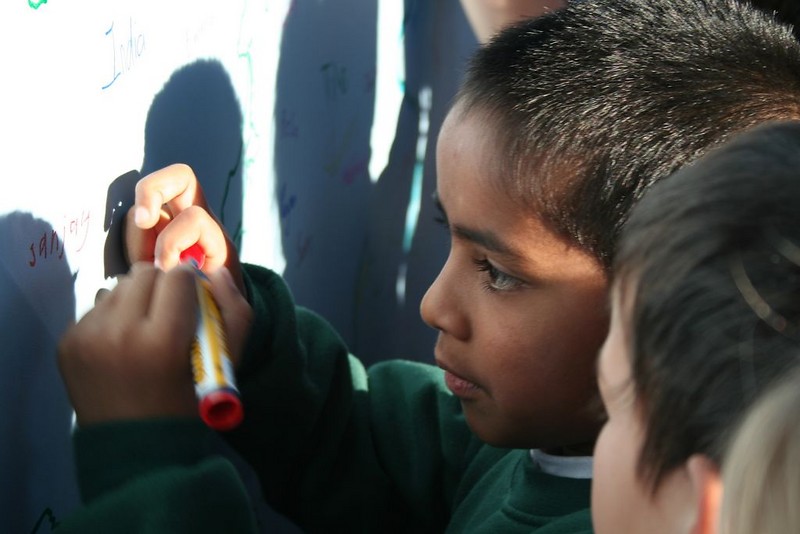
[{"x": 460, "y": 386}]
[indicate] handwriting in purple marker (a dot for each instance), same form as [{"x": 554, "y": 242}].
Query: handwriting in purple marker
[
  {"x": 286, "y": 202},
  {"x": 353, "y": 171},
  {"x": 125, "y": 54}
]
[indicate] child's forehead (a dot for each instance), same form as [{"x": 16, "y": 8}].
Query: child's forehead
[
  {"x": 475, "y": 136},
  {"x": 473, "y": 125},
  {"x": 551, "y": 166}
]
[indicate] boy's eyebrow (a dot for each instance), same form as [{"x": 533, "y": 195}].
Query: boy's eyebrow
[{"x": 485, "y": 239}]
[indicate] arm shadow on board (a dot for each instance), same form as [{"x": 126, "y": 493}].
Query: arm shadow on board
[{"x": 38, "y": 303}]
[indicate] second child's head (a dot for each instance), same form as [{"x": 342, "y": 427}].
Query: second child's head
[
  {"x": 561, "y": 124},
  {"x": 706, "y": 317}
]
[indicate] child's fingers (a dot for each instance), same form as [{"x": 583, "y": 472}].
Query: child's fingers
[
  {"x": 237, "y": 315},
  {"x": 174, "y": 186},
  {"x": 140, "y": 243},
  {"x": 128, "y": 357},
  {"x": 119, "y": 296},
  {"x": 174, "y": 308},
  {"x": 192, "y": 225},
  {"x": 135, "y": 292}
]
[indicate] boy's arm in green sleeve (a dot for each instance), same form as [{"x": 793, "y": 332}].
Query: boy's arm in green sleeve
[
  {"x": 156, "y": 476},
  {"x": 327, "y": 439}
]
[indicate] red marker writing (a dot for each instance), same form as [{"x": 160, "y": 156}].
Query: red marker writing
[{"x": 214, "y": 383}]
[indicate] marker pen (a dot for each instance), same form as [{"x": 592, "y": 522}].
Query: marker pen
[{"x": 214, "y": 383}]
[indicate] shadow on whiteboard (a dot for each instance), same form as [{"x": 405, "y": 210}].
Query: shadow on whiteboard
[
  {"x": 36, "y": 460},
  {"x": 119, "y": 199},
  {"x": 324, "y": 110},
  {"x": 196, "y": 119}
]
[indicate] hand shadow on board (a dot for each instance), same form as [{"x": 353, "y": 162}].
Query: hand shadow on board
[
  {"x": 195, "y": 119},
  {"x": 119, "y": 199},
  {"x": 38, "y": 304}
]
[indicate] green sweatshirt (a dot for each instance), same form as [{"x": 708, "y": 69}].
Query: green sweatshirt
[{"x": 336, "y": 448}]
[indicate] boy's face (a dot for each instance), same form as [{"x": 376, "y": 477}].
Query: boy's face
[
  {"x": 521, "y": 313},
  {"x": 621, "y": 500}
]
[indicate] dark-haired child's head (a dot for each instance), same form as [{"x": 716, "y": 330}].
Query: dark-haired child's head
[
  {"x": 785, "y": 11},
  {"x": 706, "y": 316},
  {"x": 590, "y": 105},
  {"x": 561, "y": 124}
]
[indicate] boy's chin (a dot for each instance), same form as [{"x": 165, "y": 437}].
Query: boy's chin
[{"x": 517, "y": 436}]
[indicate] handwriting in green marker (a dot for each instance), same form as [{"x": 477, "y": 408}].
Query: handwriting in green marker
[{"x": 36, "y": 3}]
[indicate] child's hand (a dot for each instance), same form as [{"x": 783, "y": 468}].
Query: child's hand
[
  {"x": 169, "y": 216},
  {"x": 128, "y": 358}
]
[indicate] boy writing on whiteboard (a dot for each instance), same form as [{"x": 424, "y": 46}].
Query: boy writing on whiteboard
[{"x": 560, "y": 126}]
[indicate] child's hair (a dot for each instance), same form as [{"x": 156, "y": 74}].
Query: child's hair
[
  {"x": 712, "y": 256},
  {"x": 592, "y": 103},
  {"x": 785, "y": 11},
  {"x": 762, "y": 470}
]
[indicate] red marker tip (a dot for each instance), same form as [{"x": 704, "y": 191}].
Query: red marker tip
[
  {"x": 221, "y": 410},
  {"x": 196, "y": 253}
]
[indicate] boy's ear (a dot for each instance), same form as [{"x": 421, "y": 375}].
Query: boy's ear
[{"x": 707, "y": 489}]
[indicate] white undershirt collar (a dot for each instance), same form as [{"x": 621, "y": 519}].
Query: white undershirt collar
[{"x": 563, "y": 466}]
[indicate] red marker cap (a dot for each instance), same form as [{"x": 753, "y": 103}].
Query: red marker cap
[
  {"x": 196, "y": 253},
  {"x": 221, "y": 410}
]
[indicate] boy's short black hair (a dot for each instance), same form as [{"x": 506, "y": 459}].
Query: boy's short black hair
[
  {"x": 786, "y": 11},
  {"x": 712, "y": 255},
  {"x": 592, "y": 103}
]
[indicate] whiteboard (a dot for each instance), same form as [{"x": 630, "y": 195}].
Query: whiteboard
[{"x": 310, "y": 124}]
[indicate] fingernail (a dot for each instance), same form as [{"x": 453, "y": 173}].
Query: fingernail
[
  {"x": 101, "y": 294},
  {"x": 141, "y": 216}
]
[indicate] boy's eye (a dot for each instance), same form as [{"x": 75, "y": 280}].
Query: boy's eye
[{"x": 498, "y": 280}]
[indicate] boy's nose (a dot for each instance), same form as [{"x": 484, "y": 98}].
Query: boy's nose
[{"x": 442, "y": 305}]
